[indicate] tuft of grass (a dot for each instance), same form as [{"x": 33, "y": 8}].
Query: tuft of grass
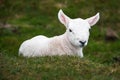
[{"x": 54, "y": 68}]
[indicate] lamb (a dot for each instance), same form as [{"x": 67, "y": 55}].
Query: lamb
[{"x": 71, "y": 42}]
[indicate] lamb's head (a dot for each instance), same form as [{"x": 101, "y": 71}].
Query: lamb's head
[{"x": 77, "y": 30}]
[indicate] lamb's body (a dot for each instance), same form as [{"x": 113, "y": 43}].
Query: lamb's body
[
  {"x": 42, "y": 46},
  {"x": 70, "y": 43}
]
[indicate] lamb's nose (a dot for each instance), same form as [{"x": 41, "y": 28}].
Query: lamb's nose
[{"x": 82, "y": 42}]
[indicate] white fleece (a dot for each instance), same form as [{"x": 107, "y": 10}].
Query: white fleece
[{"x": 42, "y": 46}]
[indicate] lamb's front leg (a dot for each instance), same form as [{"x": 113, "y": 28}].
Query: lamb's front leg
[{"x": 80, "y": 52}]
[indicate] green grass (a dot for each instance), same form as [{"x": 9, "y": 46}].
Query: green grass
[{"x": 30, "y": 18}]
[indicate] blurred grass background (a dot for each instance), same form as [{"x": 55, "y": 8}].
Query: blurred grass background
[{"x": 24, "y": 19}]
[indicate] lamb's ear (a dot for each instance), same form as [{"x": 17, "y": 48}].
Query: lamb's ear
[
  {"x": 93, "y": 20},
  {"x": 63, "y": 18}
]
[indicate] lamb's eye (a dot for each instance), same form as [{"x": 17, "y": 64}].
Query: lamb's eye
[{"x": 70, "y": 30}]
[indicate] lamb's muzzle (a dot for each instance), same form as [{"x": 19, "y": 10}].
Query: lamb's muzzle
[{"x": 82, "y": 43}]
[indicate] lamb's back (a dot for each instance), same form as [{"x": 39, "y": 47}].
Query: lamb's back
[{"x": 33, "y": 46}]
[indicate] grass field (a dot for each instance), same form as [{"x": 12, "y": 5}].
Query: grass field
[{"x": 24, "y": 19}]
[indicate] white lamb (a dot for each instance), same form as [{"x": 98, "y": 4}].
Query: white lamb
[{"x": 69, "y": 43}]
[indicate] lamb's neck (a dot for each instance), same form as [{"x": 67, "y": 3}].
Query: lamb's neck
[{"x": 67, "y": 44}]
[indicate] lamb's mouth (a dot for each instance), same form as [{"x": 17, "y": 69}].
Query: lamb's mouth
[{"x": 82, "y": 46}]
